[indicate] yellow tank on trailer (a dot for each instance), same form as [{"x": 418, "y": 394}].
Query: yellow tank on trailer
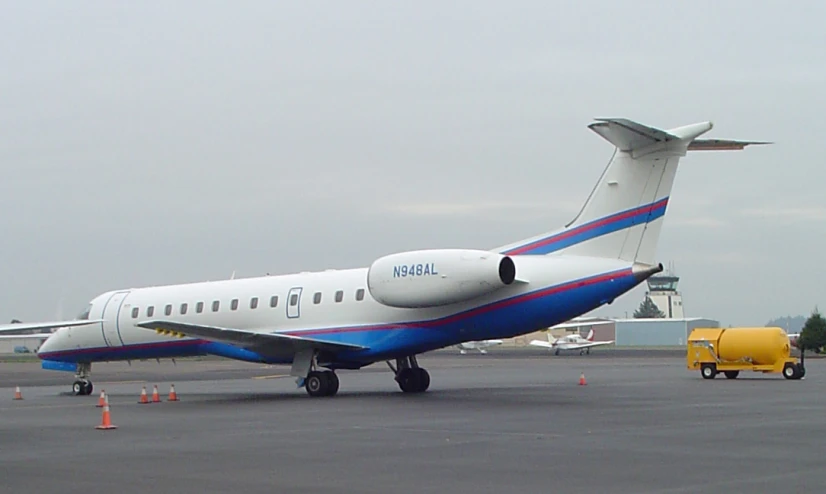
[{"x": 731, "y": 350}]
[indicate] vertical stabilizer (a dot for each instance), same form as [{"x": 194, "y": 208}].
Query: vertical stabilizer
[{"x": 624, "y": 213}]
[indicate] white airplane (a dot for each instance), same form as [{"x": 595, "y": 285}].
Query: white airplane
[
  {"x": 571, "y": 342},
  {"x": 407, "y": 303},
  {"x": 482, "y": 346}
]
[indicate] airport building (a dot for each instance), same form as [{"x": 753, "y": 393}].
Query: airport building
[{"x": 651, "y": 332}]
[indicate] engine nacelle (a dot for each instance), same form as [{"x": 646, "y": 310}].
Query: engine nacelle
[{"x": 430, "y": 278}]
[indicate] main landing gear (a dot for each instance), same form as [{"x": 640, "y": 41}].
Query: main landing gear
[
  {"x": 315, "y": 382},
  {"x": 411, "y": 377},
  {"x": 321, "y": 383},
  {"x": 83, "y": 385}
]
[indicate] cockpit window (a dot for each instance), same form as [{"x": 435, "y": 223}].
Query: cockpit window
[{"x": 84, "y": 315}]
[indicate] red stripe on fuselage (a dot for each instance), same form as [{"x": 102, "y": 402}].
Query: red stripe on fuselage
[{"x": 588, "y": 226}]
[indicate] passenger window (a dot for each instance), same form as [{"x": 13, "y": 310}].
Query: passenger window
[
  {"x": 317, "y": 298},
  {"x": 215, "y": 305},
  {"x": 234, "y": 304},
  {"x": 254, "y": 303},
  {"x": 360, "y": 294},
  {"x": 293, "y": 299},
  {"x": 274, "y": 301},
  {"x": 168, "y": 309},
  {"x": 150, "y": 311},
  {"x": 183, "y": 309},
  {"x": 339, "y": 295},
  {"x": 199, "y": 307},
  {"x": 134, "y": 313}
]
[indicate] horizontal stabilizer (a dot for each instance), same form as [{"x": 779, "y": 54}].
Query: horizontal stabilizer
[
  {"x": 628, "y": 135},
  {"x": 269, "y": 343},
  {"x": 29, "y": 326},
  {"x": 542, "y": 343},
  {"x": 722, "y": 145}
]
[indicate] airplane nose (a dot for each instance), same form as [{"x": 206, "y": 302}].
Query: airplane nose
[{"x": 47, "y": 346}]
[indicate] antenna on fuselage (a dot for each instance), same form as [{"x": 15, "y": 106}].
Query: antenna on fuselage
[{"x": 233, "y": 275}]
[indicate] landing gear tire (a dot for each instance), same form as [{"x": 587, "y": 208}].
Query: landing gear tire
[
  {"x": 414, "y": 380},
  {"x": 731, "y": 374},
  {"x": 709, "y": 371},
  {"x": 321, "y": 383},
  {"x": 332, "y": 382},
  {"x": 82, "y": 388}
]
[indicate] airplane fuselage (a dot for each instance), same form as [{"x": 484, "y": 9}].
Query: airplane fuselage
[{"x": 336, "y": 306}]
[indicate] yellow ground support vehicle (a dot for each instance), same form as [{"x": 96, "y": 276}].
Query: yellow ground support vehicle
[{"x": 731, "y": 350}]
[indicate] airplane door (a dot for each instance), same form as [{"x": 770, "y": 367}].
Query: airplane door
[
  {"x": 294, "y": 303},
  {"x": 111, "y": 315}
]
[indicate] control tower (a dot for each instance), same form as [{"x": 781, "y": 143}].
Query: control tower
[{"x": 662, "y": 289}]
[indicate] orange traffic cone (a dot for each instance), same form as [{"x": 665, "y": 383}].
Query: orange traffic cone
[
  {"x": 582, "y": 379},
  {"x": 101, "y": 400},
  {"x": 156, "y": 398},
  {"x": 17, "y": 394},
  {"x": 144, "y": 399},
  {"x": 106, "y": 423},
  {"x": 173, "y": 396}
]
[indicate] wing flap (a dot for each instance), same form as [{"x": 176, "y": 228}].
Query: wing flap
[{"x": 260, "y": 341}]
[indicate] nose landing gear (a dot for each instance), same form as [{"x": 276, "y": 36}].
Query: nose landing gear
[{"x": 83, "y": 385}]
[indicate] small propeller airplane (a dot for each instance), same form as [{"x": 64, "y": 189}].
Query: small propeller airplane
[
  {"x": 481, "y": 345},
  {"x": 574, "y": 341}
]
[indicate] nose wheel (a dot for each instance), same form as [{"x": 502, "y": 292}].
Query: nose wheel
[{"x": 82, "y": 387}]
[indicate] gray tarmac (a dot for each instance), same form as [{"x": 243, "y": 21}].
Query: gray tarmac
[{"x": 508, "y": 421}]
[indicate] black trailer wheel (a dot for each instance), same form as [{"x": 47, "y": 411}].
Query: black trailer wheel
[
  {"x": 731, "y": 374},
  {"x": 709, "y": 371},
  {"x": 790, "y": 371}
]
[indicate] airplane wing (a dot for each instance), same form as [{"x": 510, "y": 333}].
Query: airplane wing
[
  {"x": 542, "y": 343},
  {"x": 28, "y": 326},
  {"x": 580, "y": 324},
  {"x": 580, "y": 346},
  {"x": 268, "y": 343},
  {"x": 39, "y": 336}
]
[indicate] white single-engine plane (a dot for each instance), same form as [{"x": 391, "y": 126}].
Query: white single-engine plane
[
  {"x": 481, "y": 346},
  {"x": 406, "y": 303}
]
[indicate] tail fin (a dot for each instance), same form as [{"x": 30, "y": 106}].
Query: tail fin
[
  {"x": 590, "y": 336},
  {"x": 623, "y": 215}
]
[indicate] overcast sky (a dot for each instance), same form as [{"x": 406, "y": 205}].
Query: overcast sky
[{"x": 146, "y": 143}]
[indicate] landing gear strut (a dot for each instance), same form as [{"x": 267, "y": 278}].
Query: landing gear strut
[
  {"x": 83, "y": 385},
  {"x": 411, "y": 377}
]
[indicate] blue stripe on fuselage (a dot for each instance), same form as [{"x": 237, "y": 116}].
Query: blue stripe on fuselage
[
  {"x": 593, "y": 229},
  {"x": 500, "y": 319}
]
